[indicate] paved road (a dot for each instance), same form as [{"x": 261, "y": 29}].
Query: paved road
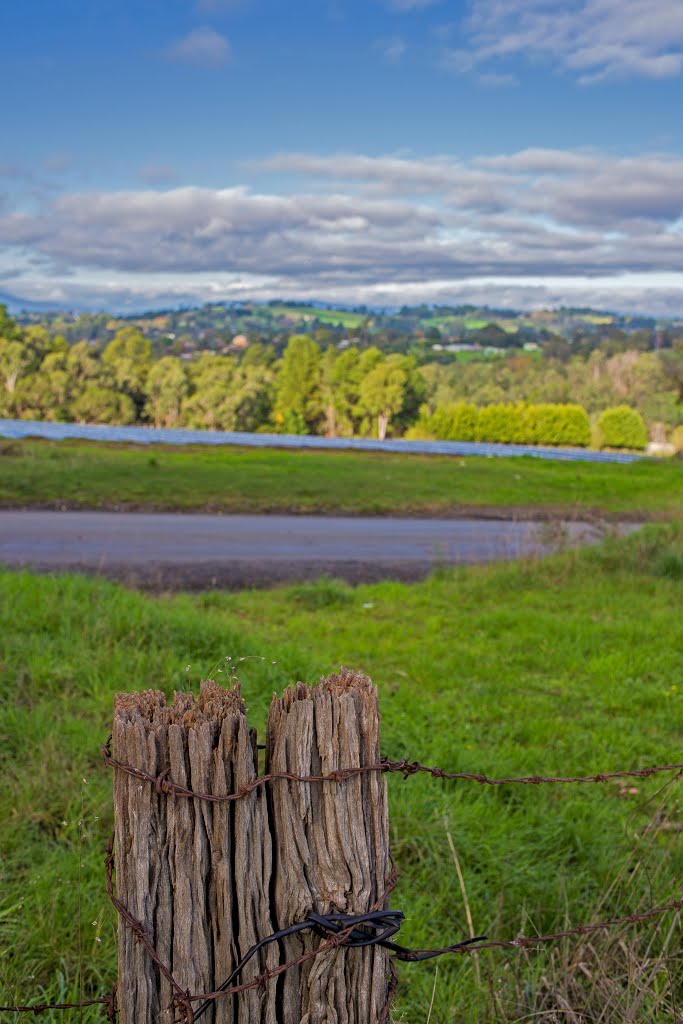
[
  {"x": 199, "y": 551},
  {"x": 155, "y": 435}
]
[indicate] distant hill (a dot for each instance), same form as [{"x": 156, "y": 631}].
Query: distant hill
[
  {"x": 16, "y": 305},
  {"x": 438, "y": 331}
]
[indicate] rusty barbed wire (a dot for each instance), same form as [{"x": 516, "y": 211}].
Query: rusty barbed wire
[
  {"x": 181, "y": 997},
  {"x": 163, "y": 784},
  {"x": 38, "y": 1008},
  {"x": 525, "y": 941},
  {"x": 183, "y": 1000}
]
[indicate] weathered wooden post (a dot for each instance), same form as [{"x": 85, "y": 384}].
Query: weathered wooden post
[
  {"x": 207, "y": 879},
  {"x": 195, "y": 873},
  {"x": 331, "y": 844}
]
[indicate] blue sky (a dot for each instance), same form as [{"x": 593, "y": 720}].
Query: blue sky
[{"x": 172, "y": 151}]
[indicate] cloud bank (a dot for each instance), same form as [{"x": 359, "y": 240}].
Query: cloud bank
[{"x": 528, "y": 228}]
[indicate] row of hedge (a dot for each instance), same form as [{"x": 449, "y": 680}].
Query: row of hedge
[{"x": 525, "y": 423}]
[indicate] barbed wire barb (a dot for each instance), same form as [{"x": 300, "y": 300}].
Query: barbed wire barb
[
  {"x": 163, "y": 784},
  {"x": 340, "y": 929}
]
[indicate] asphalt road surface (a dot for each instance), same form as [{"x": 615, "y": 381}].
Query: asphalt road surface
[{"x": 167, "y": 550}]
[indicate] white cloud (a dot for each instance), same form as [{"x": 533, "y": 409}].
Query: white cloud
[
  {"x": 651, "y": 293},
  {"x": 359, "y": 228},
  {"x": 594, "y": 39},
  {"x": 201, "y": 46}
]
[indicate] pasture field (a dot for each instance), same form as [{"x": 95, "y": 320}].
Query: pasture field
[
  {"x": 476, "y": 357},
  {"x": 325, "y": 316},
  {"x": 81, "y": 474},
  {"x": 566, "y": 666}
]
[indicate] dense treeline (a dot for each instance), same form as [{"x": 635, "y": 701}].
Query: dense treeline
[{"x": 527, "y": 397}]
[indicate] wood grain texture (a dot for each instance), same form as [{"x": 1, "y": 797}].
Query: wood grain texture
[
  {"x": 197, "y": 874},
  {"x": 330, "y": 844},
  {"x": 208, "y": 880}
]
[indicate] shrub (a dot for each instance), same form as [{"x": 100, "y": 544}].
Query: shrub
[
  {"x": 622, "y": 427},
  {"x": 419, "y": 431},
  {"x": 454, "y": 422},
  {"x": 561, "y": 425},
  {"x": 506, "y": 424}
]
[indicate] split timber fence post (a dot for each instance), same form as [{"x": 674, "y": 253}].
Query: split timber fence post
[
  {"x": 207, "y": 880},
  {"x": 331, "y": 843}
]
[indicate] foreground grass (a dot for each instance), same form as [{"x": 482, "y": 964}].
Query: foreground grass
[
  {"x": 79, "y": 474},
  {"x": 566, "y": 666}
]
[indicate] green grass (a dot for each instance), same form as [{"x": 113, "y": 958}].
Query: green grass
[
  {"x": 477, "y": 357},
  {"x": 87, "y": 475},
  {"x": 569, "y": 665},
  {"x": 325, "y": 316},
  {"x": 596, "y": 318}
]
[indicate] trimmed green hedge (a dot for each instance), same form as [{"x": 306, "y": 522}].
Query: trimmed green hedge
[
  {"x": 521, "y": 423},
  {"x": 621, "y": 427},
  {"x": 456, "y": 422},
  {"x": 561, "y": 425},
  {"x": 505, "y": 424}
]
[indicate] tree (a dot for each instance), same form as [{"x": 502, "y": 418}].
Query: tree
[
  {"x": 589, "y": 382},
  {"x": 382, "y": 391},
  {"x": 15, "y": 354},
  {"x": 21, "y": 354},
  {"x": 167, "y": 386},
  {"x": 672, "y": 364},
  {"x": 46, "y": 394},
  {"x": 254, "y": 397},
  {"x": 345, "y": 392},
  {"x": 129, "y": 358},
  {"x": 494, "y": 336},
  {"x": 82, "y": 364},
  {"x": 369, "y": 359},
  {"x": 298, "y": 406},
  {"x": 439, "y": 385},
  {"x": 413, "y": 395},
  {"x": 327, "y": 390},
  {"x": 8, "y": 327},
  {"x": 98, "y": 404},
  {"x": 15, "y": 359},
  {"x": 258, "y": 354},
  {"x": 227, "y": 395},
  {"x": 211, "y": 406}
]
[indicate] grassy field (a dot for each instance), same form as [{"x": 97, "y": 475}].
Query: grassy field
[
  {"x": 77, "y": 474},
  {"x": 569, "y": 665},
  {"x": 324, "y": 316}
]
